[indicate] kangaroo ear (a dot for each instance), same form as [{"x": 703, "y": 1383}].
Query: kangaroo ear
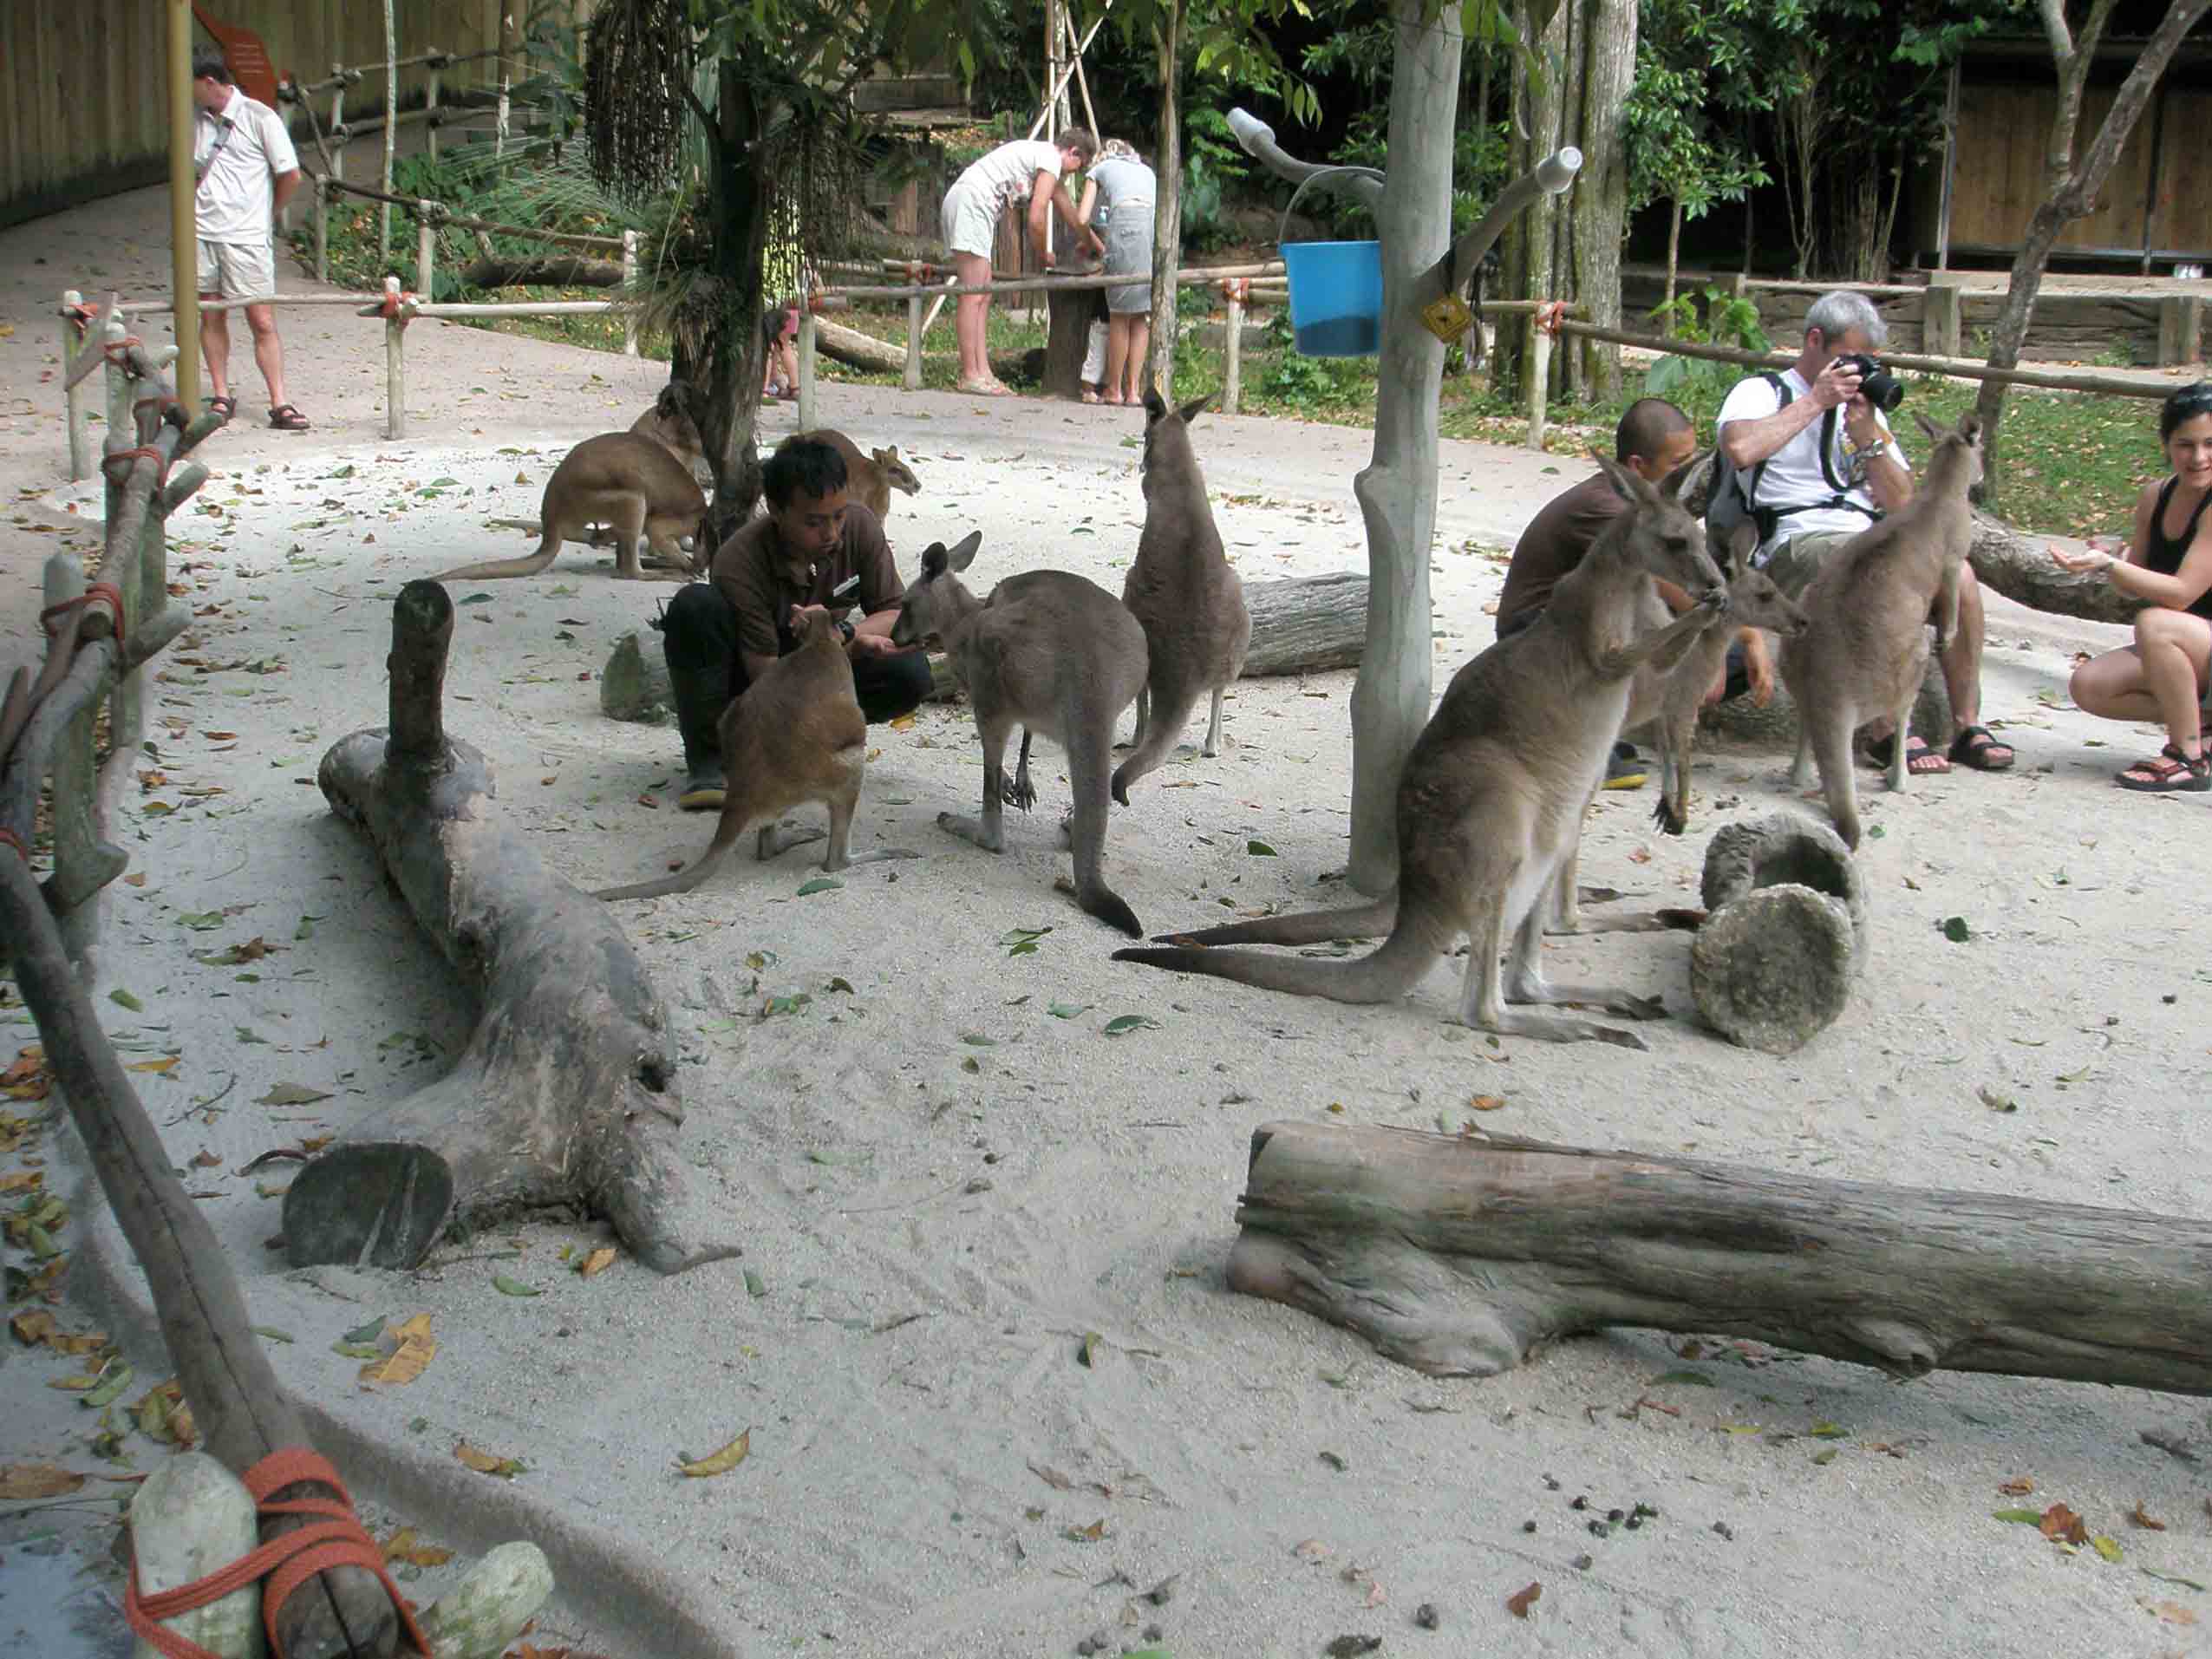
[
  {"x": 1633, "y": 490},
  {"x": 1194, "y": 408},
  {"x": 963, "y": 551},
  {"x": 1970, "y": 427},
  {"x": 1155, "y": 406},
  {"x": 1741, "y": 540},
  {"x": 1675, "y": 482},
  {"x": 933, "y": 561}
]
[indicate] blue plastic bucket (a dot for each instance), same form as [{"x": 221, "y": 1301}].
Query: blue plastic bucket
[
  {"x": 1335, "y": 297},
  {"x": 1336, "y": 287}
]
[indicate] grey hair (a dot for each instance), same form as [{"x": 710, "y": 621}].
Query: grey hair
[{"x": 1836, "y": 314}]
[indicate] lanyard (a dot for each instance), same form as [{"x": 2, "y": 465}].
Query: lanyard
[{"x": 228, "y": 127}]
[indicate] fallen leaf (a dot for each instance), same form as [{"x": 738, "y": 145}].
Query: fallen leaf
[
  {"x": 1310, "y": 1550},
  {"x": 167, "y": 1063},
  {"x": 2061, "y": 1523},
  {"x": 1090, "y": 1534},
  {"x": 2106, "y": 1546},
  {"x": 22, "y": 1480},
  {"x": 722, "y": 1461},
  {"x": 1521, "y": 1600},
  {"x": 485, "y": 1463},
  {"x": 2149, "y": 1524},
  {"x": 402, "y": 1546},
  {"x": 2172, "y": 1612},
  {"x": 507, "y": 1287},
  {"x": 1487, "y": 1102},
  {"x": 2018, "y": 1486},
  {"x": 819, "y": 884},
  {"x": 292, "y": 1095},
  {"x": 597, "y": 1262},
  {"x": 415, "y": 1351},
  {"x": 1122, "y": 1024},
  {"x": 1052, "y": 1477}
]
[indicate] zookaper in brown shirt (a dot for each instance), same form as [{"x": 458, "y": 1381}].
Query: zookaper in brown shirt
[{"x": 764, "y": 585}]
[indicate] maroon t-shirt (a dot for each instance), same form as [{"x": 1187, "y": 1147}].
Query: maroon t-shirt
[{"x": 1554, "y": 543}]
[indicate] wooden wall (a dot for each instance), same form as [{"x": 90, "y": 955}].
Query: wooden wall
[{"x": 83, "y": 109}]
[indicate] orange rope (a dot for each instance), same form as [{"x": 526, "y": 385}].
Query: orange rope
[
  {"x": 105, "y": 593},
  {"x": 287, "y": 1561},
  {"x": 1550, "y": 314},
  {"x": 8, "y": 837},
  {"x": 128, "y": 456}
]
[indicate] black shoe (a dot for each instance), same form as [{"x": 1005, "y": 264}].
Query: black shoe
[
  {"x": 1624, "y": 772},
  {"x": 700, "y": 696}
]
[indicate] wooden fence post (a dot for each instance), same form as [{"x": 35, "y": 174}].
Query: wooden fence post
[
  {"x": 2181, "y": 329},
  {"x": 426, "y": 249},
  {"x": 323, "y": 227},
  {"x": 1232, "y": 350},
  {"x": 808, "y": 345},
  {"x": 911, "y": 378},
  {"x": 1941, "y": 319},
  {"x": 1538, "y": 369},
  {"x": 629, "y": 292},
  {"x": 430, "y": 119},
  {"x": 395, "y": 362},
  {"x": 338, "y": 123},
  {"x": 72, "y": 343}
]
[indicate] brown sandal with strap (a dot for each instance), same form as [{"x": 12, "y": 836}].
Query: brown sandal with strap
[
  {"x": 285, "y": 418},
  {"x": 2169, "y": 771}
]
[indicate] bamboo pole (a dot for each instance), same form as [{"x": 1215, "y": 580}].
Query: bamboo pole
[
  {"x": 74, "y": 396},
  {"x": 391, "y": 129},
  {"x": 183, "y": 216},
  {"x": 809, "y": 349},
  {"x": 322, "y": 227},
  {"x": 1232, "y": 354},
  {"x": 394, "y": 362},
  {"x": 426, "y": 249},
  {"x": 910, "y": 377},
  {"x": 630, "y": 292}
]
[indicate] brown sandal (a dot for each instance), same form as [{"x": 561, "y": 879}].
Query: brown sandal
[
  {"x": 285, "y": 418},
  {"x": 2168, "y": 771}
]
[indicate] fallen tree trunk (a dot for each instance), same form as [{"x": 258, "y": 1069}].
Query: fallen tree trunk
[
  {"x": 2021, "y": 568},
  {"x": 859, "y": 350},
  {"x": 1464, "y": 1256},
  {"x": 1302, "y": 624},
  {"x": 566, "y": 1092},
  {"x": 575, "y": 272}
]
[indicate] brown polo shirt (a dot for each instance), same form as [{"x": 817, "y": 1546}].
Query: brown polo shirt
[{"x": 764, "y": 585}]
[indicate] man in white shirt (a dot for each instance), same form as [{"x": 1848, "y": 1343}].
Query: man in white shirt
[
  {"x": 246, "y": 168},
  {"x": 1828, "y": 466},
  {"x": 1032, "y": 170}
]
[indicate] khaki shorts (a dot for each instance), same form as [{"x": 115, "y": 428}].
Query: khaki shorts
[
  {"x": 969, "y": 226},
  {"x": 1794, "y": 564},
  {"x": 236, "y": 270}
]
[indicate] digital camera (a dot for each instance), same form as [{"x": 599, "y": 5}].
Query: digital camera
[{"x": 1876, "y": 384}]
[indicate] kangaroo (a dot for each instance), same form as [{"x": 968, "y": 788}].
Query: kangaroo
[
  {"x": 1054, "y": 654},
  {"x": 1866, "y": 651},
  {"x": 1181, "y": 589},
  {"x": 1671, "y": 702},
  {"x": 1491, "y": 801},
  {"x": 870, "y": 478},
  {"x": 673, "y": 421},
  {"x": 795, "y": 735},
  {"x": 634, "y": 484}
]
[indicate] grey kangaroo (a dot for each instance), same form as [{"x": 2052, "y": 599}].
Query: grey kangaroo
[
  {"x": 1866, "y": 651},
  {"x": 1181, "y": 589},
  {"x": 1490, "y": 803},
  {"x": 1054, "y": 654},
  {"x": 795, "y": 735},
  {"x": 633, "y": 483}
]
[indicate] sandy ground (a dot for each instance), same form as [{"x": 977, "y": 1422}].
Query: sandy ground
[{"x": 945, "y": 1176}]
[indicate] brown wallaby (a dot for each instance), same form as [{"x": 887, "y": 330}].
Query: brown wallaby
[
  {"x": 1491, "y": 798},
  {"x": 1866, "y": 651},
  {"x": 1055, "y": 654},
  {"x": 1180, "y": 588},
  {"x": 672, "y": 420},
  {"x": 633, "y": 483},
  {"x": 795, "y": 735},
  {"x": 869, "y": 479},
  {"x": 1671, "y": 702}
]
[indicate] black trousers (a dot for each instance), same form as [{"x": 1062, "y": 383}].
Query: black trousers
[{"x": 699, "y": 639}]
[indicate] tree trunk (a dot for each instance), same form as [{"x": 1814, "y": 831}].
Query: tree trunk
[
  {"x": 1462, "y": 1257},
  {"x": 860, "y": 351},
  {"x": 1601, "y": 197},
  {"x": 1673, "y": 248},
  {"x": 1167, "y": 210},
  {"x": 573, "y": 272},
  {"x": 1529, "y": 268},
  {"x": 1397, "y": 490},
  {"x": 566, "y": 1094},
  {"x": 2070, "y": 191}
]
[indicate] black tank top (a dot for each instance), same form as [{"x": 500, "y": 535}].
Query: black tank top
[{"x": 2164, "y": 553}]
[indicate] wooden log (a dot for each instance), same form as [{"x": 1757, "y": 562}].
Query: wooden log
[
  {"x": 1067, "y": 336},
  {"x": 858, "y": 350},
  {"x": 2020, "y": 568},
  {"x": 566, "y": 1092},
  {"x": 1464, "y": 1256},
  {"x": 543, "y": 273}
]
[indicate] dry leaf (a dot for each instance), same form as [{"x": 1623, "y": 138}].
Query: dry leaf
[
  {"x": 402, "y": 1546},
  {"x": 485, "y": 1463},
  {"x": 1311, "y": 1550},
  {"x": 22, "y": 1480},
  {"x": 21, "y": 1181},
  {"x": 208, "y": 1158},
  {"x": 1521, "y": 1600},
  {"x": 1487, "y": 1102},
  {"x": 2061, "y": 1523},
  {"x": 2018, "y": 1486},
  {"x": 167, "y": 1063},
  {"x": 2136, "y": 1517},
  {"x": 597, "y": 1262},
  {"x": 1052, "y": 1477},
  {"x": 1090, "y": 1534},
  {"x": 722, "y": 1461},
  {"x": 33, "y": 1328},
  {"x": 2172, "y": 1612},
  {"x": 416, "y": 1350}
]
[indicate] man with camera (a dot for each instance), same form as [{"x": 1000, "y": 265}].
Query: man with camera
[{"x": 1815, "y": 463}]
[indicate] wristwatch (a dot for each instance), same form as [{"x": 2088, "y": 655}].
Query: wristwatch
[
  {"x": 847, "y": 630},
  {"x": 1873, "y": 452}
]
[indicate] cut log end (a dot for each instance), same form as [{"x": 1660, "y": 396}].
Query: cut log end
[{"x": 1773, "y": 970}]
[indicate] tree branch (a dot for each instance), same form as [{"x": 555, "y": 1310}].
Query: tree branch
[
  {"x": 2104, "y": 151},
  {"x": 2053, "y": 14}
]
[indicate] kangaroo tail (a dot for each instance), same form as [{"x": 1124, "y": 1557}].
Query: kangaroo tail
[
  {"x": 684, "y": 880},
  {"x": 1307, "y": 927},
  {"x": 549, "y": 547},
  {"x": 1089, "y": 759},
  {"x": 1382, "y": 976},
  {"x": 1170, "y": 714}
]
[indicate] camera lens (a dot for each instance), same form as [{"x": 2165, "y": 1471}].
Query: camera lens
[{"x": 1876, "y": 384}]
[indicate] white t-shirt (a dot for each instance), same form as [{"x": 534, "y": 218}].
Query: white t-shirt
[
  {"x": 237, "y": 154},
  {"x": 1009, "y": 173},
  {"x": 1794, "y": 472}
]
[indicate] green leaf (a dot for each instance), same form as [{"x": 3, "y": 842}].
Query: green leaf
[
  {"x": 112, "y": 1382},
  {"x": 123, "y": 999},
  {"x": 2106, "y": 1546},
  {"x": 1122, "y": 1024},
  {"x": 840, "y": 983},
  {"x": 758, "y": 960},
  {"x": 201, "y": 921},
  {"x": 1067, "y": 1010},
  {"x": 2024, "y": 1517},
  {"x": 476, "y": 598},
  {"x": 820, "y": 885},
  {"x": 345, "y": 471},
  {"x": 977, "y": 1040},
  {"x": 1695, "y": 1379},
  {"x": 246, "y": 1034},
  {"x": 306, "y": 928},
  {"x": 273, "y": 1334},
  {"x": 1830, "y": 1432},
  {"x": 2170, "y": 1579},
  {"x": 292, "y": 1095},
  {"x": 1823, "y": 1458},
  {"x": 367, "y": 1333},
  {"x": 358, "y": 1350},
  {"x": 1027, "y": 948},
  {"x": 1954, "y": 928},
  {"x": 1259, "y": 849},
  {"x": 507, "y": 1287},
  {"x": 785, "y": 1004},
  {"x": 754, "y": 1284}
]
